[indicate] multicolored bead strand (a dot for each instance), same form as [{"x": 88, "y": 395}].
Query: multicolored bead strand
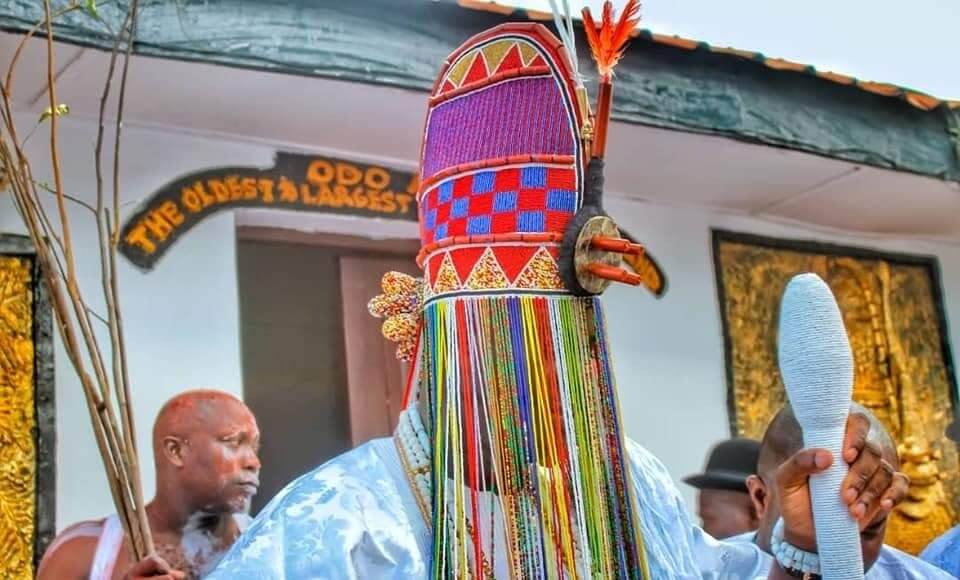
[{"x": 524, "y": 407}]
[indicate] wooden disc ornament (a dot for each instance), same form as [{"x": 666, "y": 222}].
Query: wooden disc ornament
[{"x": 586, "y": 254}]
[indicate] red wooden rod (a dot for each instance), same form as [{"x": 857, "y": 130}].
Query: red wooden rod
[{"x": 613, "y": 273}]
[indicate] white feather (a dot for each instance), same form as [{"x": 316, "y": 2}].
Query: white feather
[{"x": 564, "y": 23}]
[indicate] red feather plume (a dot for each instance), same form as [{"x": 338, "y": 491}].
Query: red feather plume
[{"x": 608, "y": 41}]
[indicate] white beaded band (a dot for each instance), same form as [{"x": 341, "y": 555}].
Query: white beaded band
[
  {"x": 791, "y": 557},
  {"x": 413, "y": 443}
]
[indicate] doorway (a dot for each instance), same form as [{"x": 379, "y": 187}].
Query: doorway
[{"x": 317, "y": 373}]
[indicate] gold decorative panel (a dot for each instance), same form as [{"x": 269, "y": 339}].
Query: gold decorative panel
[
  {"x": 27, "y": 454},
  {"x": 18, "y": 457},
  {"x": 893, "y": 314}
]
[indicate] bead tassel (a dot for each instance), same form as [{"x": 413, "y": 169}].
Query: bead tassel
[{"x": 524, "y": 406}]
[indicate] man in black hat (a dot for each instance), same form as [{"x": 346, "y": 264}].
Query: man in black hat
[{"x": 723, "y": 502}]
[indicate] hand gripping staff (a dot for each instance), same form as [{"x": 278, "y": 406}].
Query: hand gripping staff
[{"x": 817, "y": 369}]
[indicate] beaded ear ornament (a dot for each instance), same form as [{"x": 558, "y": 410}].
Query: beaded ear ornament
[{"x": 401, "y": 307}]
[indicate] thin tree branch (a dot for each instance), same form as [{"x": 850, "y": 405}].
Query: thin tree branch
[
  {"x": 122, "y": 381},
  {"x": 54, "y": 149},
  {"x": 99, "y": 317},
  {"x": 101, "y": 126},
  {"x": 69, "y": 198},
  {"x": 81, "y": 314},
  {"x": 21, "y": 192},
  {"x": 103, "y": 234},
  {"x": 131, "y": 38},
  {"x": 26, "y": 38},
  {"x": 72, "y": 284},
  {"x": 58, "y": 269}
]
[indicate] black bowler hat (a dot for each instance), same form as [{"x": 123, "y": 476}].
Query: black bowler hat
[
  {"x": 953, "y": 430},
  {"x": 729, "y": 465}
]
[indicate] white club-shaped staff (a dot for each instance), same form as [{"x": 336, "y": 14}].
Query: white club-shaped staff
[{"x": 817, "y": 369}]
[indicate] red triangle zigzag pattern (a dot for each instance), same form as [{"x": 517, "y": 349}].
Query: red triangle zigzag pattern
[
  {"x": 527, "y": 267},
  {"x": 474, "y": 66}
]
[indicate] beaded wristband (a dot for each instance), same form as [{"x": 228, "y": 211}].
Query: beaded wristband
[{"x": 790, "y": 557}]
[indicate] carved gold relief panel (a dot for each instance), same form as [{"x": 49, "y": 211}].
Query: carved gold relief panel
[
  {"x": 893, "y": 314},
  {"x": 26, "y": 508}
]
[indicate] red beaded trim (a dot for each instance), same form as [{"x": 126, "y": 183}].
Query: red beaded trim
[
  {"x": 486, "y": 239},
  {"x": 532, "y": 32},
  {"x": 532, "y": 71},
  {"x": 426, "y": 184}
]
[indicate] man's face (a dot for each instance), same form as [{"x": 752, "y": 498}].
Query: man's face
[
  {"x": 725, "y": 513},
  {"x": 762, "y": 492},
  {"x": 221, "y": 467}
]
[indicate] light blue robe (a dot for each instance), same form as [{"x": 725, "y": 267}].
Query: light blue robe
[
  {"x": 891, "y": 564},
  {"x": 356, "y": 517},
  {"x": 944, "y": 552}
]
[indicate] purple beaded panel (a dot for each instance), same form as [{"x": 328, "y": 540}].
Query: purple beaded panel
[{"x": 524, "y": 116}]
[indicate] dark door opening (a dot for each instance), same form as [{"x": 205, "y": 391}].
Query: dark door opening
[{"x": 316, "y": 372}]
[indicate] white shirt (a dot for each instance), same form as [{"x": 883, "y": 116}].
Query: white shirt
[{"x": 891, "y": 564}]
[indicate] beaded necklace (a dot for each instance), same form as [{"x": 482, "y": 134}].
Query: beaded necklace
[{"x": 412, "y": 442}]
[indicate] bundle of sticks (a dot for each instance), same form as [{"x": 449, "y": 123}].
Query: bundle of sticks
[{"x": 44, "y": 209}]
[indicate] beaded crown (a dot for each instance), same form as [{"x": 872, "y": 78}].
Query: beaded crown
[{"x": 502, "y": 165}]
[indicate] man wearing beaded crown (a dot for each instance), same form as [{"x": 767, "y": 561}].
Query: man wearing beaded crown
[{"x": 509, "y": 460}]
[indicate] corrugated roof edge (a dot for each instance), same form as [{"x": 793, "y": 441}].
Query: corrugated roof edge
[{"x": 915, "y": 98}]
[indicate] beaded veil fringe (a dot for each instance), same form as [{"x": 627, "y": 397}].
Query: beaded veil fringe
[{"x": 523, "y": 405}]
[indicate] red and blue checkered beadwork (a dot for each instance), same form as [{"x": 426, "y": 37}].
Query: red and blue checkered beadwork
[
  {"x": 501, "y": 166},
  {"x": 527, "y": 199}
]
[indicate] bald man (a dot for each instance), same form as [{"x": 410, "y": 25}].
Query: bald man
[
  {"x": 944, "y": 552},
  {"x": 205, "y": 446},
  {"x": 783, "y": 439}
]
